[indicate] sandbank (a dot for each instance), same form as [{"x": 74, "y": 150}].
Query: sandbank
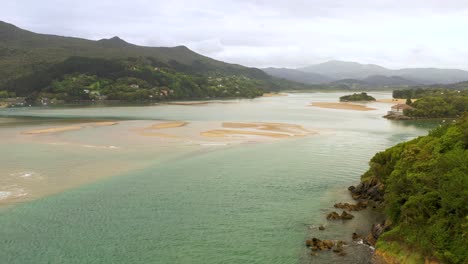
[
  {"x": 277, "y": 127},
  {"x": 274, "y": 94},
  {"x": 172, "y": 124},
  {"x": 103, "y": 123},
  {"x": 231, "y": 132},
  {"x": 197, "y": 102},
  {"x": 52, "y": 130},
  {"x": 69, "y": 128},
  {"x": 155, "y": 134},
  {"x": 344, "y": 106},
  {"x": 275, "y": 130}
]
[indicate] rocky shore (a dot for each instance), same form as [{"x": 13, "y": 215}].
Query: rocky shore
[{"x": 369, "y": 195}]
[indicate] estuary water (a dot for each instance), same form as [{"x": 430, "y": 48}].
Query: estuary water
[{"x": 178, "y": 183}]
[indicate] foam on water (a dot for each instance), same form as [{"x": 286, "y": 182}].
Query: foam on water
[
  {"x": 4, "y": 195},
  {"x": 25, "y": 174}
]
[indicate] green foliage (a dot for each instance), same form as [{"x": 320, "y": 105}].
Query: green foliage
[
  {"x": 448, "y": 105},
  {"x": 357, "y": 97},
  {"x": 426, "y": 191},
  {"x": 131, "y": 79},
  {"x": 434, "y": 103},
  {"x": 7, "y": 94},
  {"x": 30, "y": 63}
]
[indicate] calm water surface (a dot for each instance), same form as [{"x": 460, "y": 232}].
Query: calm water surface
[{"x": 187, "y": 200}]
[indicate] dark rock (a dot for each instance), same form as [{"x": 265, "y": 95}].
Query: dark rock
[
  {"x": 321, "y": 227},
  {"x": 356, "y": 236},
  {"x": 352, "y": 207},
  {"x": 340, "y": 243},
  {"x": 371, "y": 189},
  {"x": 328, "y": 244},
  {"x": 351, "y": 188},
  {"x": 333, "y": 216},
  {"x": 342, "y": 254},
  {"x": 346, "y": 216},
  {"x": 308, "y": 243},
  {"x": 370, "y": 240}
]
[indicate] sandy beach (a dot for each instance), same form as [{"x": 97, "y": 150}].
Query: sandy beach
[
  {"x": 68, "y": 128},
  {"x": 188, "y": 103},
  {"x": 231, "y": 132},
  {"x": 164, "y": 125},
  {"x": 103, "y": 123},
  {"x": 156, "y": 134},
  {"x": 275, "y": 130},
  {"x": 197, "y": 102},
  {"x": 392, "y": 101},
  {"x": 274, "y": 94},
  {"x": 277, "y": 127},
  {"x": 52, "y": 130},
  {"x": 343, "y": 106}
]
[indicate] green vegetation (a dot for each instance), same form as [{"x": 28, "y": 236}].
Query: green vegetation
[
  {"x": 70, "y": 69},
  {"x": 426, "y": 192},
  {"x": 6, "y": 94},
  {"x": 419, "y": 93},
  {"x": 357, "y": 97},
  {"x": 435, "y": 103},
  {"x": 133, "y": 79}
]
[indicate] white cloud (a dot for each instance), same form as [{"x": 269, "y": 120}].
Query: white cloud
[{"x": 263, "y": 33}]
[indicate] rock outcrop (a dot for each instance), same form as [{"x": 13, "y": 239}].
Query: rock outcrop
[
  {"x": 361, "y": 205},
  {"x": 369, "y": 190},
  {"x": 344, "y": 216},
  {"x": 316, "y": 244}
]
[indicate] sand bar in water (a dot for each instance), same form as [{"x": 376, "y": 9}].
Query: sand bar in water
[{"x": 343, "y": 106}]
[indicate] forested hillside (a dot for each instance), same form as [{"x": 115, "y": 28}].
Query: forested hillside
[
  {"x": 69, "y": 69},
  {"x": 425, "y": 187}
]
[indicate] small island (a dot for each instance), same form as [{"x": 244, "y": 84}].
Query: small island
[{"x": 356, "y": 97}]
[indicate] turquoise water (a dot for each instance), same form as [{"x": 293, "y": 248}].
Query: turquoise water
[{"x": 245, "y": 203}]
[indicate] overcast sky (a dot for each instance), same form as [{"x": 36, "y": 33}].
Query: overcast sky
[{"x": 260, "y": 33}]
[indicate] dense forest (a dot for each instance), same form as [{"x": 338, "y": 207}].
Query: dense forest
[
  {"x": 357, "y": 97},
  {"x": 434, "y": 103},
  {"x": 65, "y": 69},
  {"x": 132, "y": 79},
  {"x": 425, "y": 185}
]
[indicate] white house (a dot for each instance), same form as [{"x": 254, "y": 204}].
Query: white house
[{"x": 398, "y": 109}]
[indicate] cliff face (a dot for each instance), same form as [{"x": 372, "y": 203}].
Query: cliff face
[{"x": 421, "y": 185}]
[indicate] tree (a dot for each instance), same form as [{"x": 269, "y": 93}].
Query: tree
[{"x": 408, "y": 101}]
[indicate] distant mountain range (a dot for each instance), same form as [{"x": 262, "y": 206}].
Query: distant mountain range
[
  {"x": 27, "y": 57},
  {"x": 368, "y": 75}
]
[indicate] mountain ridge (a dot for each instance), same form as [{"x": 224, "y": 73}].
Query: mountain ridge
[
  {"x": 23, "y": 52},
  {"x": 343, "y": 70}
]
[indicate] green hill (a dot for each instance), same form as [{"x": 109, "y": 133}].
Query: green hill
[
  {"x": 23, "y": 51},
  {"x": 31, "y": 63},
  {"x": 424, "y": 185}
]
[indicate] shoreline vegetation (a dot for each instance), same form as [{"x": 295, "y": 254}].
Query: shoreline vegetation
[
  {"x": 420, "y": 186},
  {"x": 431, "y": 104},
  {"x": 357, "y": 97}
]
